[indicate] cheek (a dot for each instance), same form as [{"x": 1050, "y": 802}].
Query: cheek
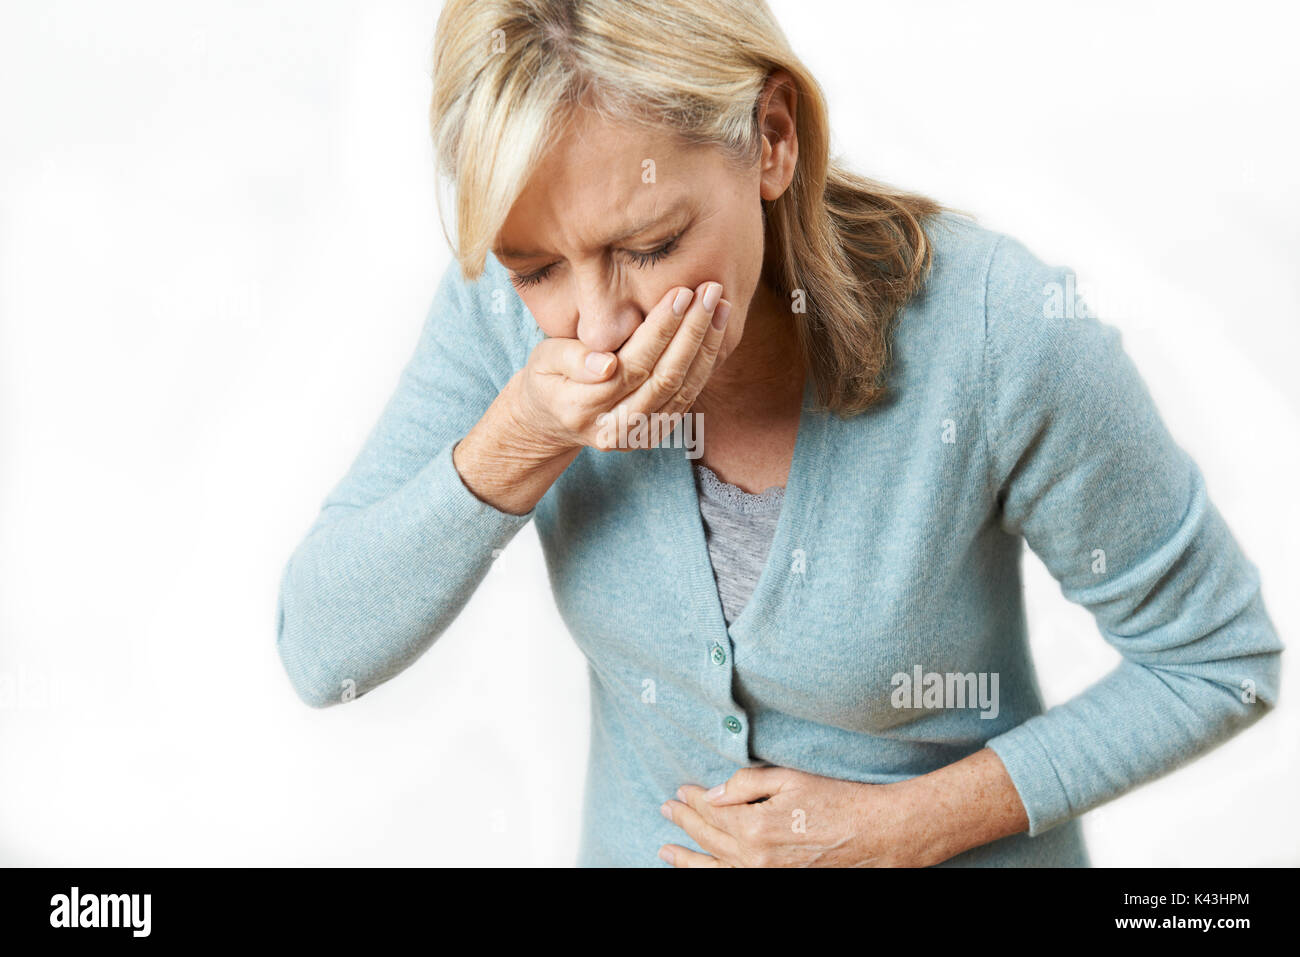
[
  {"x": 733, "y": 253},
  {"x": 724, "y": 262}
]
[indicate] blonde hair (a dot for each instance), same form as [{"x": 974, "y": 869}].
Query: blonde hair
[{"x": 508, "y": 74}]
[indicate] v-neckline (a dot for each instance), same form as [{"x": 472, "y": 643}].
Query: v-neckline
[{"x": 799, "y": 498}]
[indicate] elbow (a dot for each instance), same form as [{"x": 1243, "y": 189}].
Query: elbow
[
  {"x": 1261, "y": 681},
  {"x": 315, "y": 697},
  {"x": 1224, "y": 697},
  {"x": 1250, "y": 675},
  {"x": 315, "y": 691},
  {"x": 315, "y": 678},
  {"x": 1251, "y": 684},
  {"x": 1257, "y": 673}
]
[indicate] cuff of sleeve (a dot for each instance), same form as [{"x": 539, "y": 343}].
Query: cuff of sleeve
[
  {"x": 1034, "y": 776},
  {"x": 462, "y": 507}
]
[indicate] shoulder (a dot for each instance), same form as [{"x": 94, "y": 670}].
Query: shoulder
[
  {"x": 939, "y": 337},
  {"x": 944, "y": 323},
  {"x": 962, "y": 249},
  {"x": 1028, "y": 313},
  {"x": 973, "y": 261}
]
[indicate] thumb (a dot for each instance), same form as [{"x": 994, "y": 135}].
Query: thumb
[
  {"x": 574, "y": 361},
  {"x": 587, "y": 366},
  {"x": 746, "y": 786}
]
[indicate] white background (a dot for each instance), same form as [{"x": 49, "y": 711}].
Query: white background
[{"x": 218, "y": 240}]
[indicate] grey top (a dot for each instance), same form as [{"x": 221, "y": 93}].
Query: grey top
[{"x": 738, "y": 527}]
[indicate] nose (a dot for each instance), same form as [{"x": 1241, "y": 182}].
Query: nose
[{"x": 607, "y": 315}]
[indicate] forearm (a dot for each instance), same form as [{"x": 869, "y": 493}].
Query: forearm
[
  {"x": 372, "y": 586},
  {"x": 962, "y": 805}
]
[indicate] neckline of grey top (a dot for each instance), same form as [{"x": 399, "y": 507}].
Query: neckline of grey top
[
  {"x": 738, "y": 529},
  {"x": 736, "y": 499}
]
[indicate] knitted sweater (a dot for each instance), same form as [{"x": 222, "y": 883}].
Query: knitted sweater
[{"x": 886, "y": 635}]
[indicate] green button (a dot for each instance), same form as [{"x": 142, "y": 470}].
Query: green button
[
  {"x": 719, "y": 656},
  {"x": 732, "y": 725}
]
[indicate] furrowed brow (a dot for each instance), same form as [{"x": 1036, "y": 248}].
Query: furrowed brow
[{"x": 635, "y": 229}]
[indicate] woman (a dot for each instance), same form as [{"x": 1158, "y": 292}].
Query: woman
[{"x": 804, "y": 625}]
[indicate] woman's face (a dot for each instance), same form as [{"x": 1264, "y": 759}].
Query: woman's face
[{"x": 616, "y": 215}]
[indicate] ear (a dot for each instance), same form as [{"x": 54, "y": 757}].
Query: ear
[{"x": 777, "y": 112}]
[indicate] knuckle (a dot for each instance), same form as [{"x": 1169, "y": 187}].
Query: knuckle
[
  {"x": 709, "y": 348},
  {"x": 664, "y": 382},
  {"x": 671, "y": 410},
  {"x": 545, "y": 356},
  {"x": 635, "y": 371},
  {"x": 571, "y": 416},
  {"x": 688, "y": 393}
]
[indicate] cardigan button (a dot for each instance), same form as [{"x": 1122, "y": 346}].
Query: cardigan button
[
  {"x": 732, "y": 724},
  {"x": 719, "y": 656}
]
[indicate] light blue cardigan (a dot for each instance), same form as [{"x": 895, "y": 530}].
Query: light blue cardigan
[{"x": 1010, "y": 419}]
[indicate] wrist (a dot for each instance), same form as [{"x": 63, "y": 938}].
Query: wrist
[
  {"x": 504, "y": 463},
  {"x": 961, "y": 806},
  {"x": 934, "y": 833},
  {"x": 922, "y": 836},
  {"x": 895, "y": 825},
  {"x": 515, "y": 433}
]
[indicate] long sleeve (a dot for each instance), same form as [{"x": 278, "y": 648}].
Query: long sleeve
[
  {"x": 1086, "y": 471},
  {"x": 400, "y": 544}
]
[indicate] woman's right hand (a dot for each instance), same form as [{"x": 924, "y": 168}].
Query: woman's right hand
[
  {"x": 553, "y": 406},
  {"x": 561, "y": 396}
]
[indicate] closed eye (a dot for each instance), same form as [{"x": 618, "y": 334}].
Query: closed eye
[
  {"x": 640, "y": 259},
  {"x": 532, "y": 278},
  {"x": 644, "y": 260}
]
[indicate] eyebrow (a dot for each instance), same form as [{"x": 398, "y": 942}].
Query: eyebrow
[{"x": 636, "y": 229}]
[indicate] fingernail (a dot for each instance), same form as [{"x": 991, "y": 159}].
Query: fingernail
[
  {"x": 665, "y": 855},
  {"x": 711, "y": 296},
  {"x": 598, "y": 363},
  {"x": 684, "y": 297},
  {"x": 666, "y": 811},
  {"x": 722, "y": 314},
  {"x": 714, "y": 793},
  {"x": 681, "y": 794}
]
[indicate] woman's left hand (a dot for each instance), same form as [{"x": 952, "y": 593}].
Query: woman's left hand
[{"x": 799, "y": 820}]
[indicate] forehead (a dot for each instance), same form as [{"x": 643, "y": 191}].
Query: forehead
[
  {"x": 594, "y": 149},
  {"x": 601, "y": 179}
]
